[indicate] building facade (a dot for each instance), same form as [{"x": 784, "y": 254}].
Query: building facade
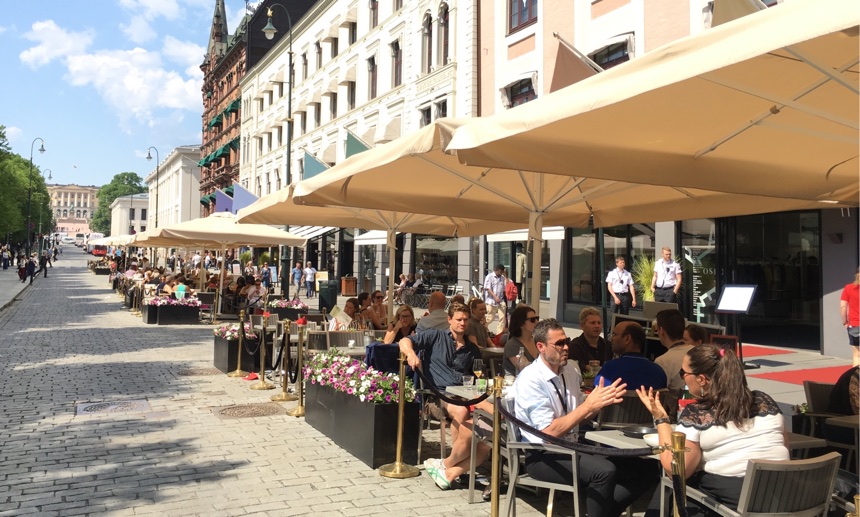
[
  {"x": 128, "y": 214},
  {"x": 73, "y": 206},
  {"x": 173, "y": 188},
  {"x": 376, "y": 70}
]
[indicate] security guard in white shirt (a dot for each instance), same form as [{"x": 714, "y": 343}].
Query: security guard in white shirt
[
  {"x": 619, "y": 283},
  {"x": 667, "y": 278}
]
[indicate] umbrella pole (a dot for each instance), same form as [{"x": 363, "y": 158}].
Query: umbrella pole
[
  {"x": 220, "y": 278},
  {"x": 536, "y": 239},
  {"x": 392, "y": 246}
]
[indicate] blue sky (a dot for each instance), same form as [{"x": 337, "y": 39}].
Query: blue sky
[{"x": 102, "y": 80}]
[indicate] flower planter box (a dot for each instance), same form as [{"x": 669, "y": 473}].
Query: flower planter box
[
  {"x": 224, "y": 355},
  {"x": 287, "y": 313},
  {"x": 365, "y": 430},
  {"x": 178, "y": 315},
  {"x": 102, "y": 271},
  {"x": 150, "y": 317}
]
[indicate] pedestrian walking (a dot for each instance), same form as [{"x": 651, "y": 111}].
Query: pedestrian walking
[
  {"x": 619, "y": 282},
  {"x": 4, "y": 256},
  {"x": 30, "y": 268},
  {"x": 298, "y": 274},
  {"x": 310, "y": 278}
]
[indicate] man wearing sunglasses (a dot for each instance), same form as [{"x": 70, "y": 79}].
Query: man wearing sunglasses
[
  {"x": 548, "y": 398},
  {"x": 628, "y": 341}
]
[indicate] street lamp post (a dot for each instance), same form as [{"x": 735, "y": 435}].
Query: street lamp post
[
  {"x": 30, "y": 191},
  {"x": 269, "y": 30},
  {"x": 48, "y": 171},
  {"x": 157, "y": 163}
]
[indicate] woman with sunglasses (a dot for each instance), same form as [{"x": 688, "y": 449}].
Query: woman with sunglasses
[
  {"x": 522, "y": 325},
  {"x": 403, "y": 325},
  {"x": 379, "y": 308},
  {"x": 726, "y": 426},
  {"x": 367, "y": 314}
]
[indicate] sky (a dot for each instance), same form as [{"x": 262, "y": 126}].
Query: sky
[{"x": 103, "y": 80}]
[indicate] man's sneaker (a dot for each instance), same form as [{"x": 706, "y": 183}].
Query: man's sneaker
[
  {"x": 437, "y": 474},
  {"x": 433, "y": 462}
]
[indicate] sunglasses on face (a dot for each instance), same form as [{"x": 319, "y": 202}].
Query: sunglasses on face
[
  {"x": 561, "y": 343},
  {"x": 683, "y": 373},
  {"x": 378, "y": 297},
  {"x": 533, "y": 319}
]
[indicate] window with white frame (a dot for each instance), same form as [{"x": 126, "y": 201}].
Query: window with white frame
[
  {"x": 396, "y": 64},
  {"x": 371, "y": 78},
  {"x": 304, "y": 65},
  {"x": 612, "y": 55},
  {"x": 373, "y": 6},
  {"x": 521, "y": 92},
  {"x": 426, "y": 116},
  {"x": 426, "y": 44},
  {"x": 332, "y": 104},
  {"x": 334, "y": 42},
  {"x": 350, "y": 95},
  {"x": 442, "y": 22},
  {"x": 442, "y": 109},
  {"x": 318, "y": 49}
]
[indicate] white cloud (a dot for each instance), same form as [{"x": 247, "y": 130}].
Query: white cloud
[
  {"x": 53, "y": 42},
  {"x": 135, "y": 84},
  {"x": 235, "y": 16},
  {"x": 12, "y": 133},
  {"x": 187, "y": 54},
  {"x": 151, "y": 9},
  {"x": 138, "y": 30},
  {"x": 2, "y": 29}
]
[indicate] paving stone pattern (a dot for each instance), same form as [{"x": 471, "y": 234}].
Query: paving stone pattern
[{"x": 67, "y": 341}]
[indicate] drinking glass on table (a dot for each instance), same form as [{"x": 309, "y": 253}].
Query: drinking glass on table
[
  {"x": 478, "y": 369},
  {"x": 468, "y": 380}
]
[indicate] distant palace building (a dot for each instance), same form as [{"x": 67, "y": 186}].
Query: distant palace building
[{"x": 73, "y": 206}]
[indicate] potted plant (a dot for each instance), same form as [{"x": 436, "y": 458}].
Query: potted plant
[
  {"x": 227, "y": 343},
  {"x": 356, "y": 407},
  {"x": 289, "y": 309},
  {"x": 185, "y": 311}
]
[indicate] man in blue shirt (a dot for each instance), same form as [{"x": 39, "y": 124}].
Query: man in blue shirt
[
  {"x": 628, "y": 341},
  {"x": 448, "y": 355}
]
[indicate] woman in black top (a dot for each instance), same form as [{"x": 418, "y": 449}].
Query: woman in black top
[
  {"x": 403, "y": 326},
  {"x": 523, "y": 321}
]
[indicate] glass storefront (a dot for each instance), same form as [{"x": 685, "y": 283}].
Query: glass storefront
[
  {"x": 584, "y": 288},
  {"x": 367, "y": 268},
  {"x": 437, "y": 257},
  {"x": 699, "y": 285}
]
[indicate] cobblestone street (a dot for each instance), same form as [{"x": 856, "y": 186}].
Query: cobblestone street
[{"x": 66, "y": 341}]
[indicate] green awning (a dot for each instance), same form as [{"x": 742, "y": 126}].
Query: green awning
[
  {"x": 204, "y": 200},
  {"x": 234, "y": 143},
  {"x": 312, "y": 166},
  {"x": 211, "y": 197},
  {"x": 216, "y": 121},
  {"x": 229, "y": 191},
  {"x": 222, "y": 151},
  {"x": 233, "y": 106},
  {"x": 354, "y": 145},
  {"x": 203, "y": 162}
]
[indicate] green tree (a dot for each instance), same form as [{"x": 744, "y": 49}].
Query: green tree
[
  {"x": 14, "y": 185},
  {"x": 123, "y": 184}
]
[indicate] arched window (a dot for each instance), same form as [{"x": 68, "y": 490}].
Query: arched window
[
  {"x": 85, "y": 214},
  {"x": 443, "y": 35},
  {"x": 65, "y": 213},
  {"x": 427, "y": 44},
  {"x": 78, "y": 214}
]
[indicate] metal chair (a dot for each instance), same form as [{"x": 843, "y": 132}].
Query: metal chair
[
  {"x": 431, "y": 411},
  {"x": 800, "y": 488},
  {"x": 818, "y": 401},
  {"x": 517, "y": 448},
  {"x": 207, "y": 305},
  {"x": 629, "y": 411},
  {"x": 482, "y": 431}
]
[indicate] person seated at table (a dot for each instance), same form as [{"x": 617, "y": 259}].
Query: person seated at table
[
  {"x": 370, "y": 319},
  {"x": 448, "y": 356},
  {"x": 476, "y": 330},
  {"x": 403, "y": 326},
  {"x": 590, "y": 345},
  {"x": 725, "y": 427},
  {"x": 670, "y": 330},
  {"x": 182, "y": 286},
  {"x": 844, "y": 400},
  {"x": 695, "y": 335},
  {"x": 132, "y": 270},
  {"x": 437, "y": 318},
  {"x": 397, "y": 291},
  {"x": 458, "y": 298},
  {"x": 522, "y": 325},
  {"x": 350, "y": 307},
  {"x": 379, "y": 308},
  {"x": 547, "y": 397},
  {"x": 628, "y": 340},
  {"x": 165, "y": 280},
  {"x": 256, "y": 294}
]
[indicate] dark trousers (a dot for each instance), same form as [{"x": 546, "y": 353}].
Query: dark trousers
[
  {"x": 310, "y": 288},
  {"x": 665, "y": 294},
  {"x": 624, "y": 306},
  {"x": 726, "y": 490},
  {"x": 610, "y": 484}
]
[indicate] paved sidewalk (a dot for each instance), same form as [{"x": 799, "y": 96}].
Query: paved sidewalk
[{"x": 68, "y": 342}]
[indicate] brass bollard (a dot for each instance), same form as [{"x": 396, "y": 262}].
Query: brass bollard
[
  {"x": 856, "y": 507},
  {"x": 239, "y": 372},
  {"x": 300, "y": 350},
  {"x": 283, "y": 396},
  {"x": 398, "y": 469},
  {"x": 263, "y": 385},
  {"x": 679, "y": 469},
  {"x": 496, "y": 472},
  {"x": 216, "y": 308}
]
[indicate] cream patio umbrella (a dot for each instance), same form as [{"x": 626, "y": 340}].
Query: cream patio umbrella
[
  {"x": 220, "y": 229},
  {"x": 279, "y": 208},
  {"x": 763, "y": 105},
  {"x": 444, "y": 186}
]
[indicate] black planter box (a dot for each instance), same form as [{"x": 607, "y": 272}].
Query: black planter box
[
  {"x": 287, "y": 313},
  {"x": 367, "y": 431},
  {"x": 150, "y": 317},
  {"x": 178, "y": 315},
  {"x": 224, "y": 356},
  {"x": 102, "y": 271}
]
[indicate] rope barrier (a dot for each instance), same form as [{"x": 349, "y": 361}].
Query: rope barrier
[
  {"x": 678, "y": 488},
  {"x": 441, "y": 396},
  {"x": 575, "y": 446}
]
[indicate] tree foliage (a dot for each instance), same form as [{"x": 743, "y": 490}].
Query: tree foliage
[
  {"x": 122, "y": 184},
  {"x": 15, "y": 182}
]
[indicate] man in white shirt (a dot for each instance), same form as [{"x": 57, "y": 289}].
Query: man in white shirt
[
  {"x": 619, "y": 283},
  {"x": 310, "y": 279},
  {"x": 667, "y": 278},
  {"x": 438, "y": 317},
  {"x": 494, "y": 298},
  {"x": 548, "y": 398},
  {"x": 195, "y": 260}
]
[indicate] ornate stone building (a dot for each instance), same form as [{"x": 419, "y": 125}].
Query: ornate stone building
[{"x": 73, "y": 206}]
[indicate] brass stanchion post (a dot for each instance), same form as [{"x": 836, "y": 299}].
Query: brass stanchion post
[
  {"x": 496, "y": 465},
  {"x": 263, "y": 385},
  {"x": 239, "y": 372},
  {"x": 856, "y": 507},
  {"x": 399, "y": 470},
  {"x": 300, "y": 364},
  {"x": 283, "y": 396},
  {"x": 216, "y": 307},
  {"x": 679, "y": 441}
]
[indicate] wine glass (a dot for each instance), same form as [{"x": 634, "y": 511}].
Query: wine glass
[{"x": 478, "y": 368}]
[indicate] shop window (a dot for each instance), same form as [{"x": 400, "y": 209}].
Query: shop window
[
  {"x": 522, "y": 13},
  {"x": 437, "y": 258},
  {"x": 698, "y": 265}
]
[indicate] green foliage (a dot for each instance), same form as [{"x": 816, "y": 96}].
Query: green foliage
[
  {"x": 4, "y": 143},
  {"x": 15, "y": 182},
  {"x": 122, "y": 184},
  {"x": 643, "y": 273},
  {"x": 244, "y": 258},
  {"x": 264, "y": 257}
]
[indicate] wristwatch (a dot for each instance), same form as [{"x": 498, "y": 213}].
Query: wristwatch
[{"x": 664, "y": 420}]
